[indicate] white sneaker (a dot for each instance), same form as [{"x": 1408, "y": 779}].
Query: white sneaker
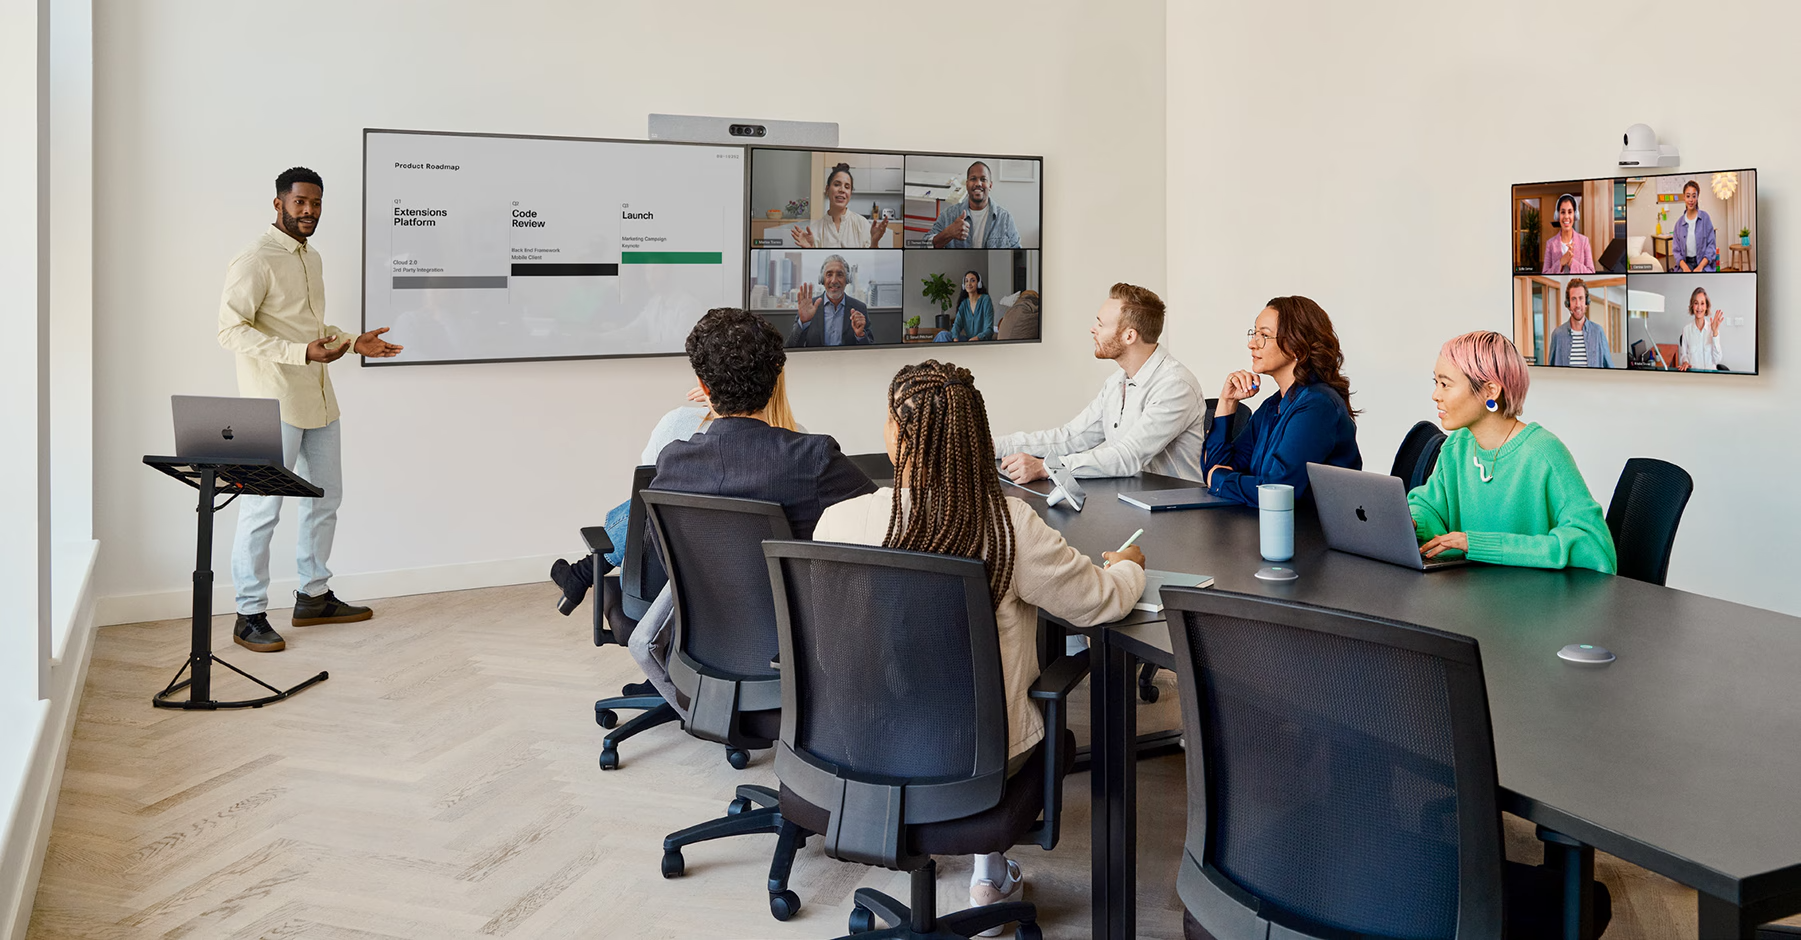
[{"x": 983, "y": 892}]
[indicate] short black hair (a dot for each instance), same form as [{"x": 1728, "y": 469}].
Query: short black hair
[
  {"x": 739, "y": 356},
  {"x": 297, "y": 174}
]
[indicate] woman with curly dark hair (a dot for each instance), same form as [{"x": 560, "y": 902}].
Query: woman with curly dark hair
[
  {"x": 1308, "y": 420},
  {"x": 948, "y": 500}
]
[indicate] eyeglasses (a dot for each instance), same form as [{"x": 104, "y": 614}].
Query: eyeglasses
[{"x": 1258, "y": 340}]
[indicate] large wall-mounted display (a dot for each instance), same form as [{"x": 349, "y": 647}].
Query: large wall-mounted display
[
  {"x": 487, "y": 247},
  {"x": 852, "y": 249},
  {"x": 1641, "y": 272}
]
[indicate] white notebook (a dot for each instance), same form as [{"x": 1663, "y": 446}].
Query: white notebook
[{"x": 1155, "y": 581}]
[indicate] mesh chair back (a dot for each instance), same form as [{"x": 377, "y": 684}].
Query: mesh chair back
[
  {"x": 1346, "y": 772},
  {"x": 641, "y": 575},
  {"x": 712, "y": 549},
  {"x": 1418, "y": 454},
  {"x": 1643, "y": 516},
  {"x": 893, "y": 709}
]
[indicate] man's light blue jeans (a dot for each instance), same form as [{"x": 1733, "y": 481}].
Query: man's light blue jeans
[{"x": 316, "y": 455}]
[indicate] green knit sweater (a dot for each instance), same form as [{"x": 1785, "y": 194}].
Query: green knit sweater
[{"x": 1535, "y": 512}]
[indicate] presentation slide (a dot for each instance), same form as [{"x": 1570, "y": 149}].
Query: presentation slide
[{"x": 482, "y": 248}]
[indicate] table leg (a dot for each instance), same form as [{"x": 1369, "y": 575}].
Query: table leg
[
  {"x": 1114, "y": 779},
  {"x": 1722, "y": 920}
]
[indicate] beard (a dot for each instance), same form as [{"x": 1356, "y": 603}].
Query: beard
[
  {"x": 1110, "y": 349},
  {"x": 291, "y": 225}
]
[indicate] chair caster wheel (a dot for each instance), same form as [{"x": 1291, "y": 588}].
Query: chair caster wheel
[
  {"x": 1028, "y": 932},
  {"x": 737, "y": 806},
  {"x": 609, "y": 759},
  {"x": 605, "y": 717},
  {"x": 738, "y": 757},
  {"x": 783, "y": 905},
  {"x": 673, "y": 864},
  {"x": 862, "y": 919},
  {"x": 1149, "y": 693}
]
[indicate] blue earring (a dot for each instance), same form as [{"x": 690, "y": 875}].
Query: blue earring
[{"x": 1491, "y": 405}]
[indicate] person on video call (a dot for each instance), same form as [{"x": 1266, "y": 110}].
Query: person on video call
[
  {"x": 272, "y": 315},
  {"x": 1308, "y": 420},
  {"x": 841, "y": 228},
  {"x": 1150, "y": 415},
  {"x": 836, "y": 319},
  {"x": 975, "y": 313},
  {"x": 1699, "y": 348},
  {"x": 1568, "y": 251},
  {"x": 975, "y": 222},
  {"x": 1579, "y": 341},
  {"x": 1504, "y": 492},
  {"x": 1693, "y": 244}
]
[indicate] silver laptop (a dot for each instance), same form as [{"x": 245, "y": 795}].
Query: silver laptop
[
  {"x": 1366, "y": 514},
  {"x": 227, "y": 428}
]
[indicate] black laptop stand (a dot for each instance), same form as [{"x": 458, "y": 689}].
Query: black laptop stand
[{"x": 234, "y": 478}]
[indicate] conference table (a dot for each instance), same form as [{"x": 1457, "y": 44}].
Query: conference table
[{"x": 1683, "y": 756}]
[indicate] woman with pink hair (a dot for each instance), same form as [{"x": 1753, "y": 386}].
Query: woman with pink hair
[{"x": 1504, "y": 492}]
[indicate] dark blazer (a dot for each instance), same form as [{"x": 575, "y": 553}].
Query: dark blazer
[
  {"x": 747, "y": 459},
  {"x": 1311, "y": 424},
  {"x": 813, "y": 334}
]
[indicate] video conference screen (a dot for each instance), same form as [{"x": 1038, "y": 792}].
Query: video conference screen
[
  {"x": 1638, "y": 272},
  {"x": 853, "y": 248}
]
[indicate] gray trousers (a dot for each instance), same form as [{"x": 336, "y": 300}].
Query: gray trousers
[{"x": 649, "y": 645}]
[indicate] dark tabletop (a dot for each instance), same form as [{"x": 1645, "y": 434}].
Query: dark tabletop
[{"x": 1683, "y": 755}]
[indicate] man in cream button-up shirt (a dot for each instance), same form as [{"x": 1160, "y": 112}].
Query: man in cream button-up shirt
[
  {"x": 272, "y": 315},
  {"x": 1150, "y": 416}
]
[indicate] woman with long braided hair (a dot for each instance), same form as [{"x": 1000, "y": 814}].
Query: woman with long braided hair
[{"x": 948, "y": 500}]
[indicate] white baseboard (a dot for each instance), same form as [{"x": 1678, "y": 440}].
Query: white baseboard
[
  {"x": 26, "y": 835},
  {"x": 355, "y": 588}
]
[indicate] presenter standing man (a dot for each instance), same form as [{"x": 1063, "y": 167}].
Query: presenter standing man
[
  {"x": 272, "y": 315},
  {"x": 1150, "y": 415}
]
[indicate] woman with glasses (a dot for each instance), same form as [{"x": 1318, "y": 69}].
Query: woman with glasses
[{"x": 1308, "y": 420}]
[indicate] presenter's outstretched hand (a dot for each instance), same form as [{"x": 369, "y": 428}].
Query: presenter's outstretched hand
[
  {"x": 876, "y": 232},
  {"x": 371, "y": 345},
  {"x": 321, "y": 350},
  {"x": 807, "y": 306},
  {"x": 803, "y": 238},
  {"x": 1239, "y": 386},
  {"x": 1446, "y": 542},
  {"x": 1024, "y": 468},
  {"x": 1132, "y": 553},
  {"x": 859, "y": 324}
]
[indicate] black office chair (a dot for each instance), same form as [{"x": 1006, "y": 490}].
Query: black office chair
[
  {"x": 620, "y": 599},
  {"x": 1646, "y": 508},
  {"x": 877, "y": 467},
  {"x": 720, "y": 658},
  {"x": 1147, "y": 672},
  {"x": 896, "y": 749},
  {"x": 1418, "y": 454},
  {"x": 1341, "y": 780}
]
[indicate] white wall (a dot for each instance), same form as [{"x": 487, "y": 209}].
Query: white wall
[
  {"x": 1297, "y": 119},
  {"x": 199, "y": 105}
]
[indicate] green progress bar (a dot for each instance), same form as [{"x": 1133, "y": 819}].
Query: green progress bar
[{"x": 671, "y": 257}]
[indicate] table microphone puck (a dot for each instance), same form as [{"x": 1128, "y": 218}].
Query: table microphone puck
[
  {"x": 1276, "y": 573},
  {"x": 1586, "y": 653}
]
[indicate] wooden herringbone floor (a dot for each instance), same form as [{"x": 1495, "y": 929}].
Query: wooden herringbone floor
[{"x": 442, "y": 784}]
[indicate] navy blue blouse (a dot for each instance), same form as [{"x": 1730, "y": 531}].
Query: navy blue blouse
[{"x": 1310, "y": 424}]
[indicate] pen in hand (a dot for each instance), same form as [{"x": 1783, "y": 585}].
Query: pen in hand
[{"x": 1128, "y": 544}]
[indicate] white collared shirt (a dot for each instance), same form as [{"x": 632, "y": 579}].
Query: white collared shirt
[
  {"x": 852, "y": 231},
  {"x": 1154, "y": 421}
]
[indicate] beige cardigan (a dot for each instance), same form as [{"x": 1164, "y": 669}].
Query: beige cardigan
[{"x": 1047, "y": 573}]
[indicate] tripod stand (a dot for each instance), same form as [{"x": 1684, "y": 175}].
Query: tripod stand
[{"x": 236, "y": 477}]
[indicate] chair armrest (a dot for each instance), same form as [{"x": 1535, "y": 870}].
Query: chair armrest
[
  {"x": 1061, "y": 677},
  {"x": 596, "y": 537}
]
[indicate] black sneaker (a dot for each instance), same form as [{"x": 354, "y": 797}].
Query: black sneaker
[
  {"x": 639, "y": 689},
  {"x": 253, "y": 632},
  {"x": 326, "y": 608}
]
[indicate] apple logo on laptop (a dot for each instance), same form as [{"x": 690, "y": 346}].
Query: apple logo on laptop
[
  {"x": 1361, "y": 515},
  {"x": 227, "y": 435}
]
